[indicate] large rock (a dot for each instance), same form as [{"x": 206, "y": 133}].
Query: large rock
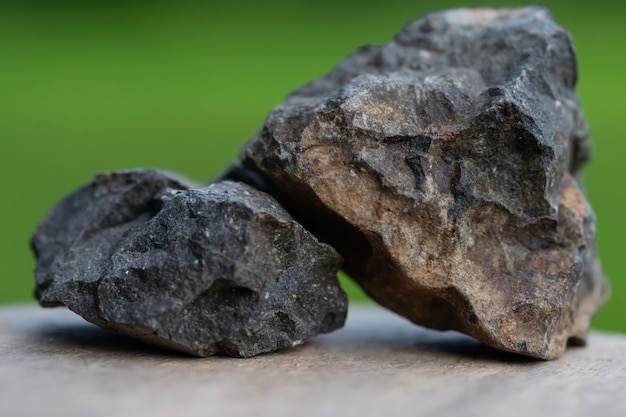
[
  {"x": 222, "y": 269},
  {"x": 444, "y": 167}
]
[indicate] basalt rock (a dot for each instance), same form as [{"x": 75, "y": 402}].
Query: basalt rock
[
  {"x": 222, "y": 269},
  {"x": 444, "y": 166}
]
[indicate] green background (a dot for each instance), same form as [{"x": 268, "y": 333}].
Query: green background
[{"x": 90, "y": 86}]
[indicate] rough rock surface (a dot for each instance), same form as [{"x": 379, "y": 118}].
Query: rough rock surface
[
  {"x": 444, "y": 167},
  {"x": 222, "y": 269}
]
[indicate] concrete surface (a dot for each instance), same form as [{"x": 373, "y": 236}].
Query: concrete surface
[{"x": 52, "y": 363}]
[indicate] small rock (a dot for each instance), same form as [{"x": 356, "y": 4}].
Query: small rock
[
  {"x": 444, "y": 167},
  {"x": 217, "y": 270}
]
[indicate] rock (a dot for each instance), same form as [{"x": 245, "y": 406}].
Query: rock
[
  {"x": 217, "y": 270},
  {"x": 444, "y": 166},
  {"x": 238, "y": 173}
]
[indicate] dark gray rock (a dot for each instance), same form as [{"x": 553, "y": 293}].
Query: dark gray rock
[
  {"x": 222, "y": 269},
  {"x": 238, "y": 173},
  {"x": 444, "y": 167}
]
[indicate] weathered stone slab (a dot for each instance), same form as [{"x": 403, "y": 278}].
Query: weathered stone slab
[
  {"x": 55, "y": 364},
  {"x": 444, "y": 167},
  {"x": 222, "y": 269}
]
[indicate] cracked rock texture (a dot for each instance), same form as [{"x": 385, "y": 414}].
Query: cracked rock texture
[
  {"x": 444, "y": 166},
  {"x": 222, "y": 269}
]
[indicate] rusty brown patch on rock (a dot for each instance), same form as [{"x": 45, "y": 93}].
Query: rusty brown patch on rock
[{"x": 445, "y": 156}]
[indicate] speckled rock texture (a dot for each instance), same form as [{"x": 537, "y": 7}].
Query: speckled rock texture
[
  {"x": 216, "y": 270},
  {"x": 444, "y": 166}
]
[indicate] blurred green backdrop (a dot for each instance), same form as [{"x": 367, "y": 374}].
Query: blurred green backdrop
[{"x": 90, "y": 86}]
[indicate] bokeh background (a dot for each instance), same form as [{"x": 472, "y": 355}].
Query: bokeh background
[{"x": 89, "y": 86}]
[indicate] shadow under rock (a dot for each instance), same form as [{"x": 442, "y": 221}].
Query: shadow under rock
[
  {"x": 417, "y": 341},
  {"x": 375, "y": 329},
  {"x": 86, "y": 336},
  {"x": 466, "y": 347}
]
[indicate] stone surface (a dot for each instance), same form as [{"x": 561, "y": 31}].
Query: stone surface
[
  {"x": 444, "y": 167},
  {"x": 53, "y": 363},
  {"x": 222, "y": 269},
  {"x": 238, "y": 173}
]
